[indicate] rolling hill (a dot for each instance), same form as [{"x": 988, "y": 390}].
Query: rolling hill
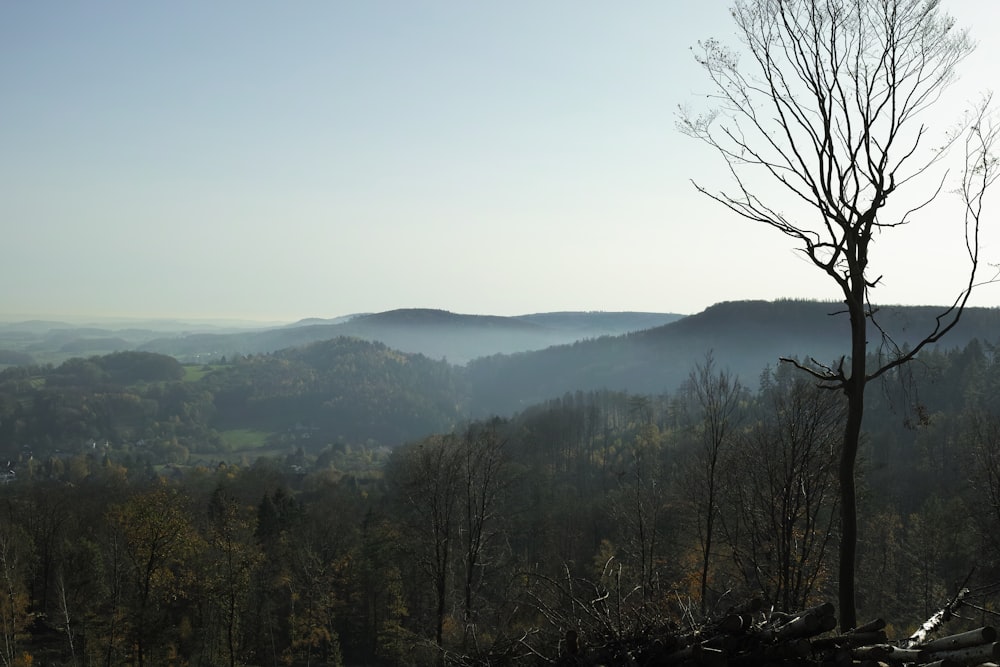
[
  {"x": 437, "y": 334},
  {"x": 345, "y": 386},
  {"x": 744, "y": 337}
]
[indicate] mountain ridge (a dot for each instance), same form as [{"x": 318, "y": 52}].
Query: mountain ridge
[
  {"x": 361, "y": 389},
  {"x": 744, "y": 337},
  {"x": 439, "y": 334}
]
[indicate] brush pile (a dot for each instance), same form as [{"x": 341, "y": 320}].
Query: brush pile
[{"x": 749, "y": 638}]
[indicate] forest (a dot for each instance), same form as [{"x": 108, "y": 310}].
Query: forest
[
  {"x": 339, "y": 493},
  {"x": 136, "y": 531}
]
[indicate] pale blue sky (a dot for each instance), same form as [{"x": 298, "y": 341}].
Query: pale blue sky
[{"x": 279, "y": 160}]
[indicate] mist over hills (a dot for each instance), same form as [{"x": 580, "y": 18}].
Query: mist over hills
[
  {"x": 328, "y": 377},
  {"x": 512, "y": 362},
  {"x": 745, "y": 337},
  {"x": 53, "y": 341},
  {"x": 437, "y": 334}
]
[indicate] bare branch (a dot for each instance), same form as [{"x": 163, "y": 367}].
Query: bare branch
[{"x": 829, "y": 108}]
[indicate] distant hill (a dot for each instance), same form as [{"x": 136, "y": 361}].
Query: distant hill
[
  {"x": 504, "y": 364},
  {"x": 600, "y": 323},
  {"x": 343, "y": 387},
  {"x": 744, "y": 336},
  {"x": 79, "y": 346},
  {"x": 53, "y": 341},
  {"x": 34, "y": 326},
  {"x": 309, "y": 321},
  {"x": 340, "y": 388},
  {"x": 437, "y": 334}
]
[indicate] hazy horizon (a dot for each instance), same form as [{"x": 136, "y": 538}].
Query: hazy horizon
[
  {"x": 16, "y": 318},
  {"x": 267, "y": 162},
  {"x": 82, "y": 319}
]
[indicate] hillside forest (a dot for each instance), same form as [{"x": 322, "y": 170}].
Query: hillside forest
[{"x": 347, "y": 503}]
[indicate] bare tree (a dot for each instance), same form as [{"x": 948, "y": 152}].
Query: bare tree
[
  {"x": 829, "y": 112},
  {"x": 640, "y": 508},
  {"x": 484, "y": 481},
  {"x": 984, "y": 473},
  {"x": 429, "y": 477},
  {"x": 780, "y": 503},
  {"x": 718, "y": 395},
  {"x": 15, "y": 556}
]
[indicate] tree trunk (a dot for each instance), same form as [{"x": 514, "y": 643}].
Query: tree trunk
[
  {"x": 854, "y": 388},
  {"x": 709, "y": 528},
  {"x": 848, "y": 509}
]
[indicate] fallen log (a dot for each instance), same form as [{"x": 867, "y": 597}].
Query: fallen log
[
  {"x": 742, "y": 638},
  {"x": 851, "y": 639},
  {"x": 870, "y": 626},
  {"x": 806, "y": 625},
  {"x": 937, "y": 620},
  {"x": 942, "y": 663},
  {"x": 984, "y": 635},
  {"x": 796, "y": 649},
  {"x": 972, "y": 655},
  {"x": 887, "y": 653}
]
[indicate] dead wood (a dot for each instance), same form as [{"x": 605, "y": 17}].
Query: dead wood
[{"x": 749, "y": 637}]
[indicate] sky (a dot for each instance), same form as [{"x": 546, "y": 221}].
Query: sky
[{"x": 280, "y": 160}]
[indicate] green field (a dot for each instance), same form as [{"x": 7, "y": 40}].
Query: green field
[
  {"x": 195, "y": 372},
  {"x": 243, "y": 439}
]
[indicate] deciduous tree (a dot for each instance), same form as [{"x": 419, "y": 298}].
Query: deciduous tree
[
  {"x": 428, "y": 477},
  {"x": 640, "y": 509},
  {"x": 829, "y": 111},
  {"x": 16, "y": 552},
  {"x": 484, "y": 481},
  {"x": 158, "y": 539},
  {"x": 717, "y": 395},
  {"x": 781, "y": 502},
  {"x": 233, "y": 557}
]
